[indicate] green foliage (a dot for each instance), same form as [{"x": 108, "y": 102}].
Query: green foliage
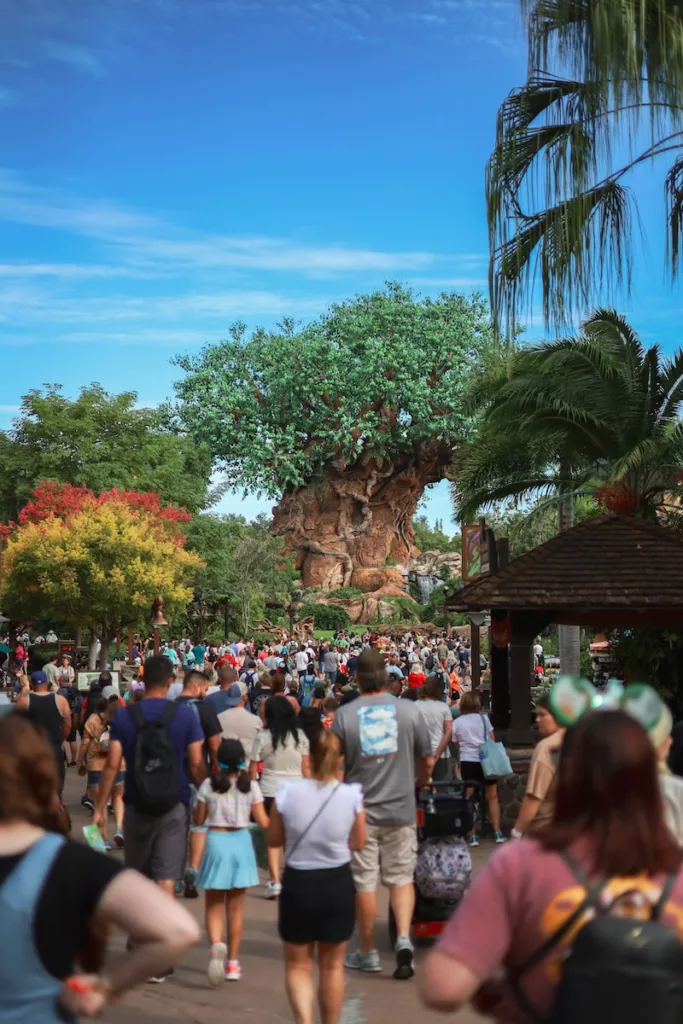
[
  {"x": 652, "y": 656},
  {"x": 381, "y": 375},
  {"x": 558, "y": 209},
  {"x": 326, "y": 616},
  {"x": 597, "y": 414},
  {"x": 405, "y": 609},
  {"x": 246, "y": 570},
  {"x": 101, "y": 441},
  {"x": 345, "y": 593},
  {"x": 526, "y": 528},
  {"x": 428, "y": 538},
  {"x": 41, "y": 654}
]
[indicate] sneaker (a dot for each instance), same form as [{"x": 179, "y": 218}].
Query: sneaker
[
  {"x": 404, "y": 958},
  {"x": 500, "y": 838},
  {"x": 233, "y": 972},
  {"x": 190, "y": 888},
  {"x": 72, "y": 764},
  {"x": 118, "y": 839},
  {"x": 159, "y": 979},
  {"x": 368, "y": 962},
  {"x": 473, "y": 841},
  {"x": 273, "y": 890},
  {"x": 107, "y": 845},
  {"x": 87, "y": 802},
  {"x": 216, "y": 968}
]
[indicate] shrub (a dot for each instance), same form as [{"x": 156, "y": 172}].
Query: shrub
[
  {"x": 326, "y": 616},
  {"x": 346, "y": 593}
]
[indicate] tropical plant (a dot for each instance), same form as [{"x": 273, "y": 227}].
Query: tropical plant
[
  {"x": 602, "y": 96},
  {"x": 345, "y": 421},
  {"x": 595, "y": 415},
  {"x": 433, "y": 538}
]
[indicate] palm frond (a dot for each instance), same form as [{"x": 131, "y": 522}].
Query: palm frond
[{"x": 561, "y": 245}]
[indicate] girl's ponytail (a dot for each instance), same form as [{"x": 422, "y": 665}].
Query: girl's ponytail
[{"x": 231, "y": 761}]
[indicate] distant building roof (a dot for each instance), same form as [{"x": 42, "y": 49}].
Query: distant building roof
[{"x": 609, "y": 563}]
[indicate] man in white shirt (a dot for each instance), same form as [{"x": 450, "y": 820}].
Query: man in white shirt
[
  {"x": 236, "y": 722},
  {"x": 301, "y": 660}
]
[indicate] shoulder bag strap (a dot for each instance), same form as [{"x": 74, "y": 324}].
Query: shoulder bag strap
[
  {"x": 313, "y": 821},
  {"x": 664, "y": 898},
  {"x": 593, "y": 894}
]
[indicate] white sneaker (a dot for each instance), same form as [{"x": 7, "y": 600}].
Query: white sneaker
[
  {"x": 216, "y": 968},
  {"x": 273, "y": 890}
]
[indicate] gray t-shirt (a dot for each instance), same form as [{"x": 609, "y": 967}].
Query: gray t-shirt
[
  {"x": 382, "y": 737},
  {"x": 435, "y": 713},
  {"x": 331, "y": 661}
]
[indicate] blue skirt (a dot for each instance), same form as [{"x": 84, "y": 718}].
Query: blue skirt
[{"x": 229, "y": 861}]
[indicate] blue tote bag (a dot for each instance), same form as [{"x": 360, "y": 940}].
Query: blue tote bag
[{"x": 495, "y": 763}]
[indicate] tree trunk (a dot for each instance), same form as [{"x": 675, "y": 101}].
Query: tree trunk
[
  {"x": 92, "y": 652},
  {"x": 356, "y": 528},
  {"x": 569, "y": 636}
]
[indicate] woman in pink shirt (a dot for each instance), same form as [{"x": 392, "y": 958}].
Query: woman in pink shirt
[{"x": 608, "y": 825}]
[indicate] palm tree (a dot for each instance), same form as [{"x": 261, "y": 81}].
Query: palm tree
[
  {"x": 596, "y": 414},
  {"x": 604, "y": 94}
]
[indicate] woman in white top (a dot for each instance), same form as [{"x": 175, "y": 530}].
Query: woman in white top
[
  {"x": 319, "y": 821},
  {"x": 469, "y": 732},
  {"x": 283, "y": 750},
  {"x": 439, "y": 722}
]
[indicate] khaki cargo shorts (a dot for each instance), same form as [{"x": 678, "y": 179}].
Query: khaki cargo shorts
[{"x": 390, "y": 853}]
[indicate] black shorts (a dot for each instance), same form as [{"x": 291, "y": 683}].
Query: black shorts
[
  {"x": 317, "y": 906},
  {"x": 71, "y": 738},
  {"x": 471, "y": 772},
  {"x": 268, "y": 802}
]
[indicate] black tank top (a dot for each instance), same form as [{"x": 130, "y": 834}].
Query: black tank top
[{"x": 43, "y": 710}]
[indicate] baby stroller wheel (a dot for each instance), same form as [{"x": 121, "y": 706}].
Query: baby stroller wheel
[{"x": 393, "y": 930}]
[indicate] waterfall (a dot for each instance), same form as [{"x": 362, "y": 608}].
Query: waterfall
[{"x": 424, "y": 585}]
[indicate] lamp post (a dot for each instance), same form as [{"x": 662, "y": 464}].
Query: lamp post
[
  {"x": 158, "y": 620},
  {"x": 292, "y": 609},
  {"x": 477, "y": 620}
]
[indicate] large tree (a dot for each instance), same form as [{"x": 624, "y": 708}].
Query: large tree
[
  {"x": 99, "y": 441},
  {"x": 344, "y": 422},
  {"x": 96, "y": 561},
  {"x": 603, "y": 95}
]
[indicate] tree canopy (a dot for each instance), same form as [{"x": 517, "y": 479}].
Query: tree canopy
[
  {"x": 245, "y": 571},
  {"x": 96, "y": 561},
  {"x": 381, "y": 375},
  {"x": 603, "y": 96},
  {"x": 99, "y": 441}
]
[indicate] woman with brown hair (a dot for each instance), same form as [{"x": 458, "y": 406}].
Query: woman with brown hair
[
  {"x": 59, "y": 898},
  {"x": 318, "y": 821},
  {"x": 470, "y": 730},
  {"x": 607, "y": 843}
]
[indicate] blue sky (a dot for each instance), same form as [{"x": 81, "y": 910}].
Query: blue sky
[{"x": 169, "y": 166}]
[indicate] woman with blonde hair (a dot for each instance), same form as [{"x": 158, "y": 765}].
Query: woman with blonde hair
[
  {"x": 470, "y": 731},
  {"x": 318, "y": 821}
]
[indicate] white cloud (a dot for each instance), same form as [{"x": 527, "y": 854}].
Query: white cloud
[
  {"x": 81, "y": 58},
  {"x": 142, "y": 240}
]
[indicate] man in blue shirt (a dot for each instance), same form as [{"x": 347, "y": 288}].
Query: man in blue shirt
[
  {"x": 154, "y": 844},
  {"x": 199, "y": 650}
]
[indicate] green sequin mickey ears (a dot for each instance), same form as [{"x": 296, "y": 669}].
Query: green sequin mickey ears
[{"x": 571, "y": 697}]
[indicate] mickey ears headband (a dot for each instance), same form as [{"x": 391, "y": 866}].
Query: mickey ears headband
[{"x": 571, "y": 697}]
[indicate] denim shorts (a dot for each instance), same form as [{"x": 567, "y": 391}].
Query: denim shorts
[{"x": 94, "y": 779}]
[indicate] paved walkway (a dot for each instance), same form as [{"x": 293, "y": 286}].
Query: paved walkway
[{"x": 260, "y": 996}]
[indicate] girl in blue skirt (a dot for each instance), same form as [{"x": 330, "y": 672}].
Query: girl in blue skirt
[{"x": 226, "y": 802}]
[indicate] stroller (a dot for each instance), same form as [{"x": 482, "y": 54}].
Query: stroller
[{"x": 444, "y": 869}]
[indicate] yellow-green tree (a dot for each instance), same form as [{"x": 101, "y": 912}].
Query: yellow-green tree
[{"x": 98, "y": 565}]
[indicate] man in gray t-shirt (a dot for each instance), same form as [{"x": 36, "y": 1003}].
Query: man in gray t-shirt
[
  {"x": 387, "y": 750},
  {"x": 331, "y": 665}
]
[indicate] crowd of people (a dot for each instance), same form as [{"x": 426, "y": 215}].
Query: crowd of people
[{"x": 320, "y": 748}]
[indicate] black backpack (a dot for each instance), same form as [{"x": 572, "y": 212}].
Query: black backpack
[
  {"x": 429, "y": 662},
  {"x": 155, "y": 769},
  {"x": 619, "y": 968}
]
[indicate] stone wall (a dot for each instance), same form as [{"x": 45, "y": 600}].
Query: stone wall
[{"x": 511, "y": 790}]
